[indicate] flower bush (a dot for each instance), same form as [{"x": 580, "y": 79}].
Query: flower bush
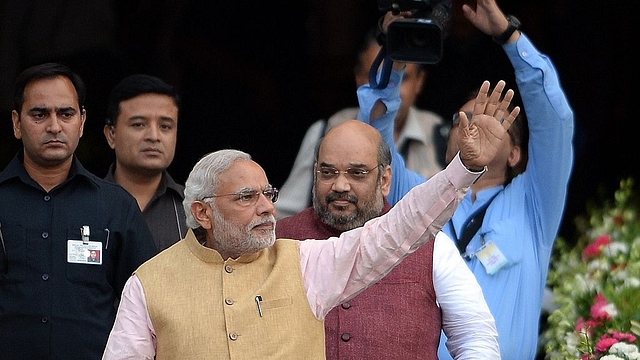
[{"x": 596, "y": 284}]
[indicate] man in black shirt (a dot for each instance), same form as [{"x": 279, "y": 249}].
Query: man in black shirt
[{"x": 54, "y": 303}]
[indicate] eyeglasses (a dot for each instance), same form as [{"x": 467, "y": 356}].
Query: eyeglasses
[
  {"x": 250, "y": 197},
  {"x": 455, "y": 119},
  {"x": 328, "y": 175}
]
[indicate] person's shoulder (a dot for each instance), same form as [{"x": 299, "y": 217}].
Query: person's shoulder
[
  {"x": 110, "y": 190},
  {"x": 426, "y": 116},
  {"x": 291, "y": 225},
  {"x": 172, "y": 184},
  {"x": 293, "y": 218}
]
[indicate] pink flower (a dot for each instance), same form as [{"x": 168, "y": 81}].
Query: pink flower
[
  {"x": 595, "y": 248},
  {"x": 620, "y": 336},
  {"x": 605, "y": 343},
  {"x": 599, "y": 312}
]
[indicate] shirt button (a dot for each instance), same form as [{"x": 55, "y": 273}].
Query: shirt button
[
  {"x": 228, "y": 269},
  {"x": 346, "y": 306},
  {"x": 45, "y": 277},
  {"x": 45, "y": 235},
  {"x": 44, "y": 320},
  {"x": 228, "y": 301},
  {"x": 233, "y": 336},
  {"x": 47, "y": 198},
  {"x": 345, "y": 337}
]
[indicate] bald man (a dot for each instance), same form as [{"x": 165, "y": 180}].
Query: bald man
[{"x": 432, "y": 290}]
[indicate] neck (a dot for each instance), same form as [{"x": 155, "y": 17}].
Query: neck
[
  {"x": 141, "y": 186},
  {"x": 398, "y": 126},
  {"x": 48, "y": 177},
  {"x": 488, "y": 180}
]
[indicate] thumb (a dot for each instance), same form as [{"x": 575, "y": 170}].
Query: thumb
[{"x": 468, "y": 12}]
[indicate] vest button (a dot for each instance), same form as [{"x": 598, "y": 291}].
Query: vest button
[
  {"x": 233, "y": 336},
  {"x": 228, "y": 301},
  {"x": 346, "y": 306},
  {"x": 228, "y": 269},
  {"x": 345, "y": 337}
]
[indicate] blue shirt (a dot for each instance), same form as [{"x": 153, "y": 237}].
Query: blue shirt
[
  {"x": 50, "y": 307},
  {"x": 402, "y": 179},
  {"x": 524, "y": 218}
]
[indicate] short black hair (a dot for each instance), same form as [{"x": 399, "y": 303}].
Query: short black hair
[
  {"x": 135, "y": 85},
  {"x": 47, "y": 71}
]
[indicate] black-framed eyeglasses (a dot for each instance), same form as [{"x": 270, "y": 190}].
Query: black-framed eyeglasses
[
  {"x": 249, "y": 196},
  {"x": 328, "y": 174},
  {"x": 455, "y": 119}
]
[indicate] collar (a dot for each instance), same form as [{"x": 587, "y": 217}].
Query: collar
[
  {"x": 166, "y": 182},
  {"x": 15, "y": 169},
  {"x": 412, "y": 130}
]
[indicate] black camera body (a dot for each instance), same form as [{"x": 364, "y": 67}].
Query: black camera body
[{"x": 418, "y": 38}]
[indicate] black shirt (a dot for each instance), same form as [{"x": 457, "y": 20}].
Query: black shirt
[
  {"x": 164, "y": 214},
  {"x": 51, "y": 308}
]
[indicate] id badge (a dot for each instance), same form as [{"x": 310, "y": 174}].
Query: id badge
[
  {"x": 84, "y": 252},
  {"x": 491, "y": 257}
]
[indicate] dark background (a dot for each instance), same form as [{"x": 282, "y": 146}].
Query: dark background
[{"x": 254, "y": 75}]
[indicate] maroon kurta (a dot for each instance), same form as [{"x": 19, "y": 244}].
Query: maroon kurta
[{"x": 396, "y": 318}]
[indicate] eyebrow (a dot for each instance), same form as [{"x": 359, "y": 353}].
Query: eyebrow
[
  {"x": 351, "y": 165},
  {"x": 144, "y": 117},
  {"x": 47, "y": 109}
]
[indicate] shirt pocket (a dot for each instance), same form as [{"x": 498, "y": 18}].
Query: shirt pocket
[
  {"x": 508, "y": 236},
  {"x": 88, "y": 274}
]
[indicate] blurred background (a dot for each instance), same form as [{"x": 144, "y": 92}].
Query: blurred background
[{"x": 254, "y": 75}]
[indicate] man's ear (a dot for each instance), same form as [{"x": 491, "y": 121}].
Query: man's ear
[
  {"x": 514, "y": 155},
  {"x": 200, "y": 212},
  {"x": 15, "y": 119},
  {"x": 110, "y": 135},
  {"x": 385, "y": 180}
]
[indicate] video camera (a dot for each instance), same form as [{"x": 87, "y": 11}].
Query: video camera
[{"x": 418, "y": 38}]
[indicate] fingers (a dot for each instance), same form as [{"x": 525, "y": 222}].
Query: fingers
[
  {"x": 509, "y": 119},
  {"x": 494, "y": 99},
  {"x": 389, "y": 17},
  {"x": 481, "y": 98},
  {"x": 493, "y": 104},
  {"x": 503, "y": 107},
  {"x": 463, "y": 120}
]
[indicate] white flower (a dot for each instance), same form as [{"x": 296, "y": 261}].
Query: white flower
[
  {"x": 611, "y": 357},
  {"x": 615, "y": 248},
  {"x": 610, "y": 309}
]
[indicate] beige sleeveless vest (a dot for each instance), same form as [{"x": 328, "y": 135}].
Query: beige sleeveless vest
[{"x": 202, "y": 307}]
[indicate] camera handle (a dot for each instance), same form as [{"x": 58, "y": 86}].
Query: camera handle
[{"x": 385, "y": 71}]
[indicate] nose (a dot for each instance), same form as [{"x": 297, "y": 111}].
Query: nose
[
  {"x": 153, "y": 133},
  {"x": 341, "y": 183},
  {"x": 54, "y": 125},
  {"x": 265, "y": 205}
]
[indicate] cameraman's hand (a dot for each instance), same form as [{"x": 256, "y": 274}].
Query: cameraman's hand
[
  {"x": 389, "y": 17},
  {"x": 488, "y": 18},
  {"x": 481, "y": 136}
]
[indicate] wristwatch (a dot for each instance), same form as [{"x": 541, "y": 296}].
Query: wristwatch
[{"x": 514, "y": 24}]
